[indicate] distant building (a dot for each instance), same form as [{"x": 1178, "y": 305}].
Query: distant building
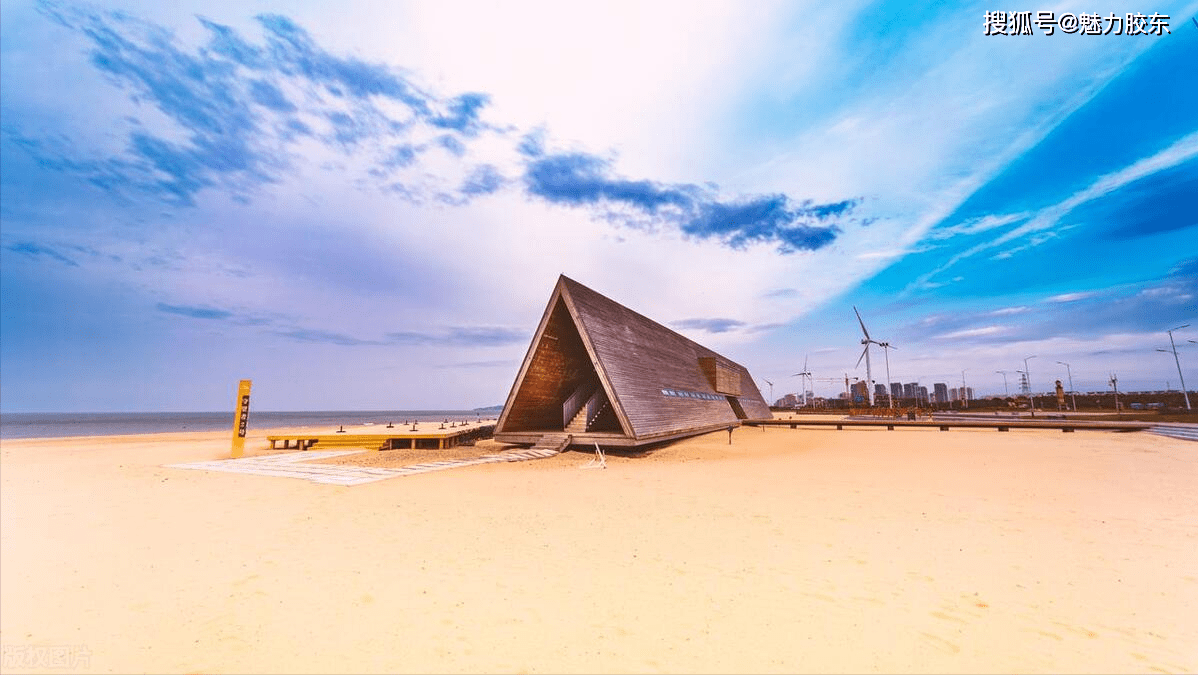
[
  {"x": 968, "y": 393},
  {"x": 909, "y": 390},
  {"x": 879, "y": 392},
  {"x": 896, "y": 389},
  {"x": 952, "y": 394},
  {"x": 859, "y": 390},
  {"x": 923, "y": 394},
  {"x": 941, "y": 390}
]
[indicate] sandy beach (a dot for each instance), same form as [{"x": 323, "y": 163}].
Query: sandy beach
[{"x": 803, "y": 550}]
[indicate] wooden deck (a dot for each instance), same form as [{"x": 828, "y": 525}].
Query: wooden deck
[
  {"x": 605, "y": 439},
  {"x": 423, "y": 435},
  {"x": 1066, "y": 426}
]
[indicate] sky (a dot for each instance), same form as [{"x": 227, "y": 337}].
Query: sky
[{"x": 365, "y": 205}]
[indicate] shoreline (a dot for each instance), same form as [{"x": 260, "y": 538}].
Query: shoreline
[{"x": 48, "y": 425}]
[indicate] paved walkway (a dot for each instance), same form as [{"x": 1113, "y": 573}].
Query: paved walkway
[
  {"x": 1187, "y": 432},
  {"x": 300, "y": 465}
]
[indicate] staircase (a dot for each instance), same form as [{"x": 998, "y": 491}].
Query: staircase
[
  {"x": 578, "y": 425},
  {"x": 579, "y": 400},
  {"x": 549, "y": 445},
  {"x": 588, "y": 413}
]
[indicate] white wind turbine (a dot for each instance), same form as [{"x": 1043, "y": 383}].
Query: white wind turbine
[
  {"x": 869, "y": 378},
  {"x": 804, "y": 380}
]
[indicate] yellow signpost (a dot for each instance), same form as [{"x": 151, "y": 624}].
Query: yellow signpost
[{"x": 241, "y": 418}]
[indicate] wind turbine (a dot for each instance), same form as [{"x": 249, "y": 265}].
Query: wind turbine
[
  {"x": 771, "y": 391},
  {"x": 869, "y": 378},
  {"x": 805, "y": 375}
]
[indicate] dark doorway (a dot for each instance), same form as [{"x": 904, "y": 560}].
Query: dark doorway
[
  {"x": 737, "y": 408},
  {"x": 560, "y": 368}
]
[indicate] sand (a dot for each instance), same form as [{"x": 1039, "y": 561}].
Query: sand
[{"x": 787, "y": 551}]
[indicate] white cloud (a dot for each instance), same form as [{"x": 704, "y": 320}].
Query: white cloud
[
  {"x": 973, "y": 332},
  {"x": 1070, "y": 297},
  {"x": 1045, "y": 224},
  {"x": 977, "y": 225}
]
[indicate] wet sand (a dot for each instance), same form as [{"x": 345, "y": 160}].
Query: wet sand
[{"x": 804, "y": 550}]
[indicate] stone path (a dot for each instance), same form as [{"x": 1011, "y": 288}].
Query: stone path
[{"x": 300, "y": 465}]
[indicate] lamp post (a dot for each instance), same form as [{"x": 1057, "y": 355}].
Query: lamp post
[
  {"x": 1030, "y": 391},
  {"x": 1004, "y": 383},
  {"x": 1072, "y": 394},
  {"x": 889, "y": 389},
  {"x": 1178, "y": 362}
]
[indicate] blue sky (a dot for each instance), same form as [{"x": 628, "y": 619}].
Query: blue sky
[{"x": 366, "y": 207}]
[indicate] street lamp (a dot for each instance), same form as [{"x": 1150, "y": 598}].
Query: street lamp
[
  {"x": 1178, "y": 362},
  {"x": 1072, "y": 394},
  {"x": 1030, "y": 391},
  {"x": 890, "y": 390},
  {"x": 1004, "y": 383},
  {"x": 964, "y": 389}
]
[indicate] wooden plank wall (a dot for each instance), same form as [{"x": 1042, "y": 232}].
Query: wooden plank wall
[
  {"x": 641, "y": 357},
  {"x": 558, "y": 366},
  {"x": 721, "y": 374}
]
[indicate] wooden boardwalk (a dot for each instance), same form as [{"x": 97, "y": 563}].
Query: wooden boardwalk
[
  {"x": 999, "y": 424},
  {"x": 423, "y": 435},
  {"x": 303, "y": 465}
]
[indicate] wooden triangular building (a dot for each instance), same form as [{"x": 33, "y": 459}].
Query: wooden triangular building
[{"x": 602, "y": 373}]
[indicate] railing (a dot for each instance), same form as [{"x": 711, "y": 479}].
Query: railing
[
  {"x": 580, "y": 397},
  {"x": 595, "y": 406},
  {"x": 944, "y": 425}
]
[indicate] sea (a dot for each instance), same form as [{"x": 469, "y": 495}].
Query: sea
[{"x": 55, "y": 425}]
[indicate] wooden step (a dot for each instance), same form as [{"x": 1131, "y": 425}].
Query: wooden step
[
  {"x": 578, "y": 425},
  {"x": 553, "y": 442}
]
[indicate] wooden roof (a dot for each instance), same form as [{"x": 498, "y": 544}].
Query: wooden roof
[{"x": 659, "y": 383}]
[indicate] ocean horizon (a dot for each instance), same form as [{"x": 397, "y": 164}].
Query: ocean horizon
[{"x": 59, "y": 425}]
